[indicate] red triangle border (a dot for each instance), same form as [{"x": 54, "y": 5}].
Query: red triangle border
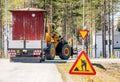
[{"x": 82, "y": 73}]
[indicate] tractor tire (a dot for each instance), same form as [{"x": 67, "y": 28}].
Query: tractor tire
[
  {"x": 66, "y": 52},
  {"x": 50, "y": 52}
]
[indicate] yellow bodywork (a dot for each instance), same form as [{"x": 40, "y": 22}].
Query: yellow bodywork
[{"x": 51, "y": 37}]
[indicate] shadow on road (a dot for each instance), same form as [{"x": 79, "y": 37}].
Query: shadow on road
[
  {"x": 99, "y": 66},
  {"x": 30, "y": 60}
]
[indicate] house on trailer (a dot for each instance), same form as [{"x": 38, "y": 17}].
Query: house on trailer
[
  {"x": 26, "y": 35},
  {"x": 116, "y": 44}
]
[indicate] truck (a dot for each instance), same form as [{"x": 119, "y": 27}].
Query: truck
[
  {"x": 26, "y": 36},
  {"x": 30, "y": 36}
]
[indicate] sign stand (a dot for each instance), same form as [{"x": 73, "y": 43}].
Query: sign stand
[
  {"x": 82, "y": 78},
  {"x": 83, "y": 44}
]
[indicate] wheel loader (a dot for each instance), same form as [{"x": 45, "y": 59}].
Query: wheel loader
[{"x": 56, "y": 45}]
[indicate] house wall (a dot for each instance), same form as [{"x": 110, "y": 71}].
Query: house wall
[
  {"x": 116, "y": 44},
  {"x": 98, "y": 46}
]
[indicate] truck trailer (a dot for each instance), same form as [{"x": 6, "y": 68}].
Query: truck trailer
[{"x": 26, "y": 36}]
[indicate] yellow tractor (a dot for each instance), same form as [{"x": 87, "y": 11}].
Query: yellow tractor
[{"x": 56, "y": 45}]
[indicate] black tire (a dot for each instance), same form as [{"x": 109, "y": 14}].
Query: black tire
[
  {"x": 50, "y": 52},
  {"x": 66, "y": 52},
  {"x": 42, "y": 57}
]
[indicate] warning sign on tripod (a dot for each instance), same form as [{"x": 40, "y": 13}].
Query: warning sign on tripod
[{"x": 82, "y": 65}]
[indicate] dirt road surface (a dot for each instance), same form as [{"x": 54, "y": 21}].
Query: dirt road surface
[{"x": 28, "y": 72}]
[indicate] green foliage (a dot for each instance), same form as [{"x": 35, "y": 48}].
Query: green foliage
[{"x": 8, "y": 5}]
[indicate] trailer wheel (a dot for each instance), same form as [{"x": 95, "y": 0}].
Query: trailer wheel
[
  {"x": 11, "y": 60},
  {"x": 42, "y": 57},
  {"x": 66, "y": 52},
  {"x": 50, "y": 52}
]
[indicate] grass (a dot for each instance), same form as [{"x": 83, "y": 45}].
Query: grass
[
  {"x": 111, "y": 74},
  {"x": 63, "y": 69}
]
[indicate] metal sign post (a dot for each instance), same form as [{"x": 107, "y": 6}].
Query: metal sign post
[
  {"x": 83, "y": 42},
  {"x": 82, "y": 78},
  {"x": 83, "y": 23}
]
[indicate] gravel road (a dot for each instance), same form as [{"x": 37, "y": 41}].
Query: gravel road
[{"x": 28, "y": 72}]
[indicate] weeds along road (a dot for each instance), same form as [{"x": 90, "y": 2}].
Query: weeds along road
[{"x": 28, "y": 72}]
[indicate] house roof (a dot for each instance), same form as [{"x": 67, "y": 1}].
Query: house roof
[
  {"x": 28, "y": 9},
  {"x": 100, "y": 33}
]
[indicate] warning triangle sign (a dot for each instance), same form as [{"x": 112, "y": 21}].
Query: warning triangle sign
[
  {"x": 83, "y": 33},
  {"x": 82, "y": 65}
]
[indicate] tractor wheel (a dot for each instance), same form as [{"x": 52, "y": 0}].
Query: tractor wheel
[
  {"x": 50, "y": 52},
  {"x": 66, "y": 52}
]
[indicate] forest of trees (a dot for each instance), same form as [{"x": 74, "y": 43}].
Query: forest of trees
[{"x": 65, "y": 13}]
